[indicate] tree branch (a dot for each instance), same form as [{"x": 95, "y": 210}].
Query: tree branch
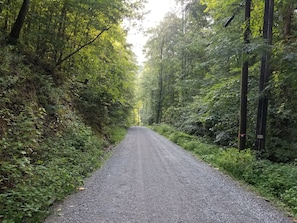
[{"x": 81, "y": 47}]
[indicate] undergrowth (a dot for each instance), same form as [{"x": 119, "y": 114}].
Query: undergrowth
[
  {"x": 275, "y": 181},
  {"x": 46, "y": 150}
]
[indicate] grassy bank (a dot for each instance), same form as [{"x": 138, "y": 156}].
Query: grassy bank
[
  {"x": 46, "y": 147},
  {"x": 61, "y": 170},
  {"x": 274, "y": 181}
]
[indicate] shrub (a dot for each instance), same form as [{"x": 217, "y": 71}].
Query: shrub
[
  {"x": 235, "y": 162},
  {"x": 290, "y": 197},
  {"x": 66, "y": 161}
]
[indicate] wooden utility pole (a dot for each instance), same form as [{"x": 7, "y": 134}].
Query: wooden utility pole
[
  {"x": 244, "y": 82},
  {"x": 264, "y": 77}
]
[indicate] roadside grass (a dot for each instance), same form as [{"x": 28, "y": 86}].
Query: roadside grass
[
  {"x": 277, "y": 182},
  {"x": 117, "y": 134}
]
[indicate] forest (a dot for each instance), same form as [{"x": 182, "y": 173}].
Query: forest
[
  {"x": 70, "y": 86},
  {"x": 66, "y": 96},
  {"x": 192, "y": 77}
]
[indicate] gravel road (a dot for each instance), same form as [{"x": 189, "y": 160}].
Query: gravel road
[{"x": 150, "y": 179}]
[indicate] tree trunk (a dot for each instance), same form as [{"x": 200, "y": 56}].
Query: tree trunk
[
  {"x": 287, "y": 17},
  {"x": 16, "y": 29},
  {"x": 60, "y": 34},
  {"x": 160, "y": 96}
]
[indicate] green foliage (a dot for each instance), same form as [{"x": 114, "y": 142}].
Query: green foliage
[
  {"x": 106, "y": 99},
  {"x": 290, "y": 197},
  {"x": 199, "y": 89},
  {"x": 46, "y": 146},
  {"x": 272, "y": 180},
  {"x": 66, "y": 94},
  {"x": 235, "y": 162},
  {"x": 55, "y": 29},
  {"x": 117, "y": 134},
  {"x": 60, "y": 169}
]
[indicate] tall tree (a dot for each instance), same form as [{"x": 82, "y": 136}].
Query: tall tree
[{"x": 19, "y": 22}]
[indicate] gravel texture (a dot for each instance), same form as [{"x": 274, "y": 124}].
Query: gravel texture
[{"x": 150, "y": 179}]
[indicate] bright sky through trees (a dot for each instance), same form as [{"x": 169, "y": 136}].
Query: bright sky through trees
[{"x": 157, "y": 9}]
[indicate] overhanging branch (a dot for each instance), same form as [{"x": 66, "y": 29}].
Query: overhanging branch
[{"x": 81, "y": 47}]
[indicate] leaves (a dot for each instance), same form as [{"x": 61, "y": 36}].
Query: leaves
[
  {"x": 55, "y": 123},
  {"x": 201, "y": 66}
]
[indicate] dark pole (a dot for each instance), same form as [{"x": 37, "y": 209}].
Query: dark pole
[
  {"x": 244, "y": 82},
  {"x": 264, "y": 77}
]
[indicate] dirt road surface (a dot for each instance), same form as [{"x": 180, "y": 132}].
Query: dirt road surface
[{"x": 149, "y": 179}]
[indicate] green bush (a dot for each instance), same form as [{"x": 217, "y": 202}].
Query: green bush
[
  {"x": 66, "y": 161},
  {"x": 290, "y": 197},
  {"x": 163, "y": 129},
  {"x": 117, "y": 134},
  {"x": 235, "y": 162},
  {"x": 46, "y": 149}
]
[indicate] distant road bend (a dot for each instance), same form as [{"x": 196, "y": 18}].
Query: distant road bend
[{"x": 151, "y": 180}]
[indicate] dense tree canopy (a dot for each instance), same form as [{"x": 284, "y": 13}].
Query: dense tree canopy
[
  {"x": 78, "y": 41},
  {"x": 192, "y": 76}
]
